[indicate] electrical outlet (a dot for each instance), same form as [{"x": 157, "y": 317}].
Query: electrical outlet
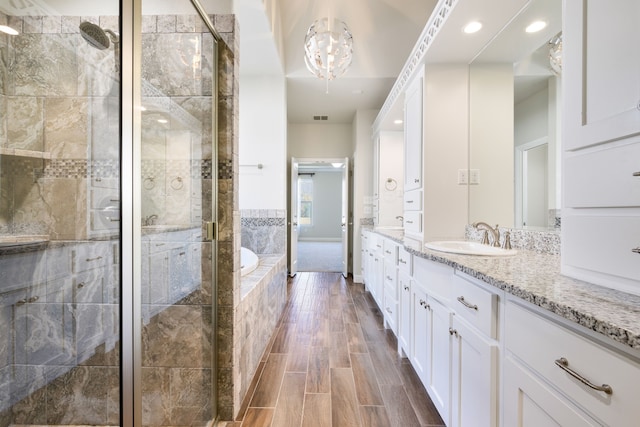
[
  {"x": 463, "y": 177},
  {"x": 474, "y": 176}
]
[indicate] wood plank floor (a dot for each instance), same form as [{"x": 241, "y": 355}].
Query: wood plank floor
[{"x": 330, "y": 363}]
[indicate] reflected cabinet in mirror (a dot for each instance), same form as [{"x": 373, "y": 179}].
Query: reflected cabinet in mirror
[{"x": 514, "y": 122}]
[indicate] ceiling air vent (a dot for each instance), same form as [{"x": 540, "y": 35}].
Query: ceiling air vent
[{"x": 320, "y": 117}]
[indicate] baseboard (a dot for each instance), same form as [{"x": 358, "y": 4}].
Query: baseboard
[{"x": 357, "y": 278}]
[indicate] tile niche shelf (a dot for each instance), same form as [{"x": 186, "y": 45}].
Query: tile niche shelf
[{"x": 25, "y": 153}]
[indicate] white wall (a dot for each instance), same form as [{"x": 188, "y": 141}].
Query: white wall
[
  {"x": 491, "y": 143},
  {"x": 326, "y": 216},
  {"x": 391, "y": 193},
  {"x": 319, "y": 140},
  {"x": 362, "y": 182},
  {"x": 263, "y": 140},
  {"x": 531, "y": 118}
]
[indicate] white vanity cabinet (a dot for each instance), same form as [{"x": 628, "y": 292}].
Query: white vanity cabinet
[
  {"x": 475, "y": 350},
  {"x": 602, "y": 83},
  {"x": 431, "y": 319},
  {"x": 601, "y": 166},
  {"x": 405, "y": 284},
  {"x": 554, "y": 371},
  {"x": 390, "y": 285}
]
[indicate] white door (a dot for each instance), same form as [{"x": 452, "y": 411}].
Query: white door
[
  {"x": 293, "y": 263},
  {"x": 345, "y": 218}
]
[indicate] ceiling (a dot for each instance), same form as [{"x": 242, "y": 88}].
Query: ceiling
[{"x": 384, "y": 33}]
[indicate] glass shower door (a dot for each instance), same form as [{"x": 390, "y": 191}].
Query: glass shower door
[
  {"x": 178, "y": 68},
  {"x": 59, "y": 214}
]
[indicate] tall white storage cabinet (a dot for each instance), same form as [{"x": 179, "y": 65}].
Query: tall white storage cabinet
[
  {"x": 601, "y": 177},
  {"x": 436, "y": 147}
]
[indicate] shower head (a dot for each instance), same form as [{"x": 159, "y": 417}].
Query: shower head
[{"x": 96, "y": 36}]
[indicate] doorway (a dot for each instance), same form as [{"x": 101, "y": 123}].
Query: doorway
[
  {"x": 532, "y": 184},
  {"x": 319, "y": 212}
]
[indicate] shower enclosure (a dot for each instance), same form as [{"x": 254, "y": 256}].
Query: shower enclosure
[{"x": 108, "y": 166}]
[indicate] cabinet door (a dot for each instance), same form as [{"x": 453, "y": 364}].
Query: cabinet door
[
  {"x": 404, "y": 315},
  {"x": 528, "y": 402},
  {"x": 420, "y": 332},
  {"x": 474, "y": 378},
  {"x": 439, "y": 380},
  {"x": 602, "y": 69},
  {"x": 413, "y": 119}
]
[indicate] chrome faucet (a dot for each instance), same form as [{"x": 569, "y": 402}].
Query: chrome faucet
[
  {"x": 149, "y": 220},
  {"x": 401, "y": 218},
  {"x": 495, "y": 233}
]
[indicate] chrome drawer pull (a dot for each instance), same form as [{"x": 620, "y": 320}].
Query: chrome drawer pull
[
  {"x": 453, "y": 332},
  {"x": 406, "y": 288},
  {"x": 466, "y": 304},
  {"x": 93, "y": 259},
  {"x": 409, "y": 222},
  {"x": 635, "y": 250},
  {"x": 563, "y": 364},
  {"x": 636, "y": 174},
  {"x": 387, "y": 252},
  {"x": 401, "y": 261}
]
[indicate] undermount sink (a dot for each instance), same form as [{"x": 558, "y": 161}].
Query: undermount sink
[{"x": 465, "y": 247}]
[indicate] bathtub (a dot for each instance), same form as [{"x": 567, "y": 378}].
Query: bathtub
[{"x": 248, "y": 261}]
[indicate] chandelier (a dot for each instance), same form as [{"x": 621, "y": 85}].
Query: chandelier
[
  {"x": 555, "y": 53},
  {"x": 328, "y": 48}
]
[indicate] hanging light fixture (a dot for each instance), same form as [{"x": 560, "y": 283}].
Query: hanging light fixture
[
  {"x": 555, "y": 53},
  {"x": 328, "y": 48}
]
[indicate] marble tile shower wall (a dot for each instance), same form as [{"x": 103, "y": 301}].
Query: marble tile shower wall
[
  {"x": 264, "y": 231},
  {"x": 59, "y": 125}
]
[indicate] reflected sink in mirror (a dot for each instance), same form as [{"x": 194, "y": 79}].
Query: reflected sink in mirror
[{"x": 465, "y": 247}]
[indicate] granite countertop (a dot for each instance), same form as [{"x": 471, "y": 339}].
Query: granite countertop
[{"x": 535, "y": 277}]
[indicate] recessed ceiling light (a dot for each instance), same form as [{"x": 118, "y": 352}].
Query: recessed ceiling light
[
  {"x": 472, "y": 27},
  {"x": 336, "y": 165},
  {"x": 535, "y": 26},
  {"x": 8, "y": 30},
  {"x": 163, "y": 121},
  {"x": 397, "y": 122}
]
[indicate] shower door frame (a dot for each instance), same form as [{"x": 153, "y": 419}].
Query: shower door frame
[{"x": 131, "y": 208}]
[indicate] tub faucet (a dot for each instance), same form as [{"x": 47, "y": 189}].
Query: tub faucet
[{"x": 495, "y": 233}]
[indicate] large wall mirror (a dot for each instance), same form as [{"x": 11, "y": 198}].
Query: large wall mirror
[{"x": 514, "y": 129}]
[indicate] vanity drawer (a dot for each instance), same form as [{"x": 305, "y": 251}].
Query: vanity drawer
[
  {"x": 543, "y": 344},
  {"x": 606, "y": 248},
  {"x": 404, "y": 261},
  {"x": 390, "y": 249},
  {"x": 603, "y": 177},
  {"x": 413, "y": 222},
  {"x": 434, "y": 278},
  {"x": 475, "y": 304},
  {"x": 390, "y": 278},
  {"x": 413, "y": 200}
]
